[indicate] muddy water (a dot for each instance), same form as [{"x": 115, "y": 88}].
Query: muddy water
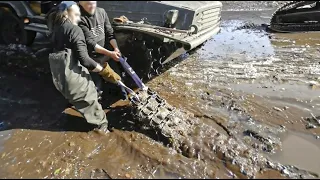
[
  {"x": 300, "y": 150},
  {"x": 299, "y": 95},
  {"x": 82, "y": 155},
  {"x": 273, "y": 71},
  {"x": 232, "y": 43},
  {"x": 4, "y": 136},
  {"x": 297, "y": 39},
  {"x": 160, "y": 173},
  {"x": 46, "y": 145}
]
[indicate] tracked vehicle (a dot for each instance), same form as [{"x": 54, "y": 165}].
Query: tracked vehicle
[
  {"x": 156, "y": 33},
  {"x": 296, "y": 16}
]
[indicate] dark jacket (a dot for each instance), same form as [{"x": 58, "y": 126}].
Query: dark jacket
[
  {"x": 70, "y": 36},
  {"x": 96, "y": 28}
]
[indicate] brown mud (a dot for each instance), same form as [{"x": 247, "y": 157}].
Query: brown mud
[{"x": 256, "y": 96}]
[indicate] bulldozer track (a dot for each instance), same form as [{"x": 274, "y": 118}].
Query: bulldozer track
[
  {"x": 178, "y": 127},
  {"x": 146, "y": 54},
  {"x": 153, "y": 112},
  {"x": 278, "y": 26},
  {"x": 296, "y": 27}
]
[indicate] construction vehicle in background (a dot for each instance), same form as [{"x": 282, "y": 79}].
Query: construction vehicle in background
[
  {"x": 156, "y": 32},
  {"x": 296, "y": 16}
]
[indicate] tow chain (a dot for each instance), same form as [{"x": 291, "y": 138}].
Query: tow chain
[{"x": 153, "y": 112}]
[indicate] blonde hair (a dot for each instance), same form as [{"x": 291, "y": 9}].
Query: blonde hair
[{"x": 56, "y": 17}]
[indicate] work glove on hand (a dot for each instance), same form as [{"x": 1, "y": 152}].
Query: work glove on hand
[{"x": 109, "y": 75}]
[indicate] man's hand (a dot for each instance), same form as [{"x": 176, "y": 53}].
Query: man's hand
[
  {"x": 115, "y": 55},
  {"x": 117, "y": 50},
  {"x": 114, "y": 44}
]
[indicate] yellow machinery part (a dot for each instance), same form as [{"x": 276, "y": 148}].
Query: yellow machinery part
[
  {"x": 35, "y": 6},
  {"x": 5, "y": 8}
]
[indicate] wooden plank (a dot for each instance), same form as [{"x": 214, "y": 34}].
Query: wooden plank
[{"x": 119, "y": 103}]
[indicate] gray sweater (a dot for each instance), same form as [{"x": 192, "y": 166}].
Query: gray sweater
[{"x": 96, "y": 28}]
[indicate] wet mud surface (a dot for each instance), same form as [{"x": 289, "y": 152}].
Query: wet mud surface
[{"x": 255, "y": 97}]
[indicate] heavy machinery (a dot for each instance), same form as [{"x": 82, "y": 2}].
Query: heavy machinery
[
  {"x": 156, "y": 33},
  {"x": 296, "y": 16},
  {"x": 154, "y": 113}
]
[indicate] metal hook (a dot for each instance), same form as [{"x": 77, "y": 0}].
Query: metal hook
[{"x": 130, "y": 91}]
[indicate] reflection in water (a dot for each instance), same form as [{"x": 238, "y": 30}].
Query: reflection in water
[
  {"x": 4, "y": 135},
  {"x": 160, "y": 173},
  {"x": 252, "y": 43},
  {"x": 231, "y": 42}
]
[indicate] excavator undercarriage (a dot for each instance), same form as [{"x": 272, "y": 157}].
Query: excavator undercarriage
[{"x": 296, "y": 16}]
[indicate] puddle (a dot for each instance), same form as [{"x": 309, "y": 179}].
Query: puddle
[
  {"x": 232, "y": 42},
  {"x": 251, "y": 43},
  {"x": 161, "y": 173},
  {"x": 301, "y": 151},
  {"x": 301, "y": 90},
  {"x": 4, "y": 135},
  {"x": 248, "y": 44},
  {"x": 296, "y": 39},
  {"x": 249, "y": 6}
]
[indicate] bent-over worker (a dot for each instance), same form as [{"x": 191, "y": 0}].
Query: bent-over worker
[{"x": 70, "y": 64}]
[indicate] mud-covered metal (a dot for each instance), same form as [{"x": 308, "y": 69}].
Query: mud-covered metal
[
  {"x": 204, "y": 14},
  {"x": 179, "y": 127},
  {"x": 296, "y": 16},
  {"x": 149, "y": 43},
  {"x": 155, "y": 113},
  {"x": 145, "y": 53}
]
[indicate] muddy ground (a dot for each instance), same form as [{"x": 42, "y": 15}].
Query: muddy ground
[{"x": 259, "y": 89}]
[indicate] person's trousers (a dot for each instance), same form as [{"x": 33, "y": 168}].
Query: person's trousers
[{"x": 74, "y": 82}]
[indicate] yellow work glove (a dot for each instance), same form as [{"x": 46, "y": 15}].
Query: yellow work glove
[
  {"x": 121, "y": 20},
  {"x": 109, "y": 75}
]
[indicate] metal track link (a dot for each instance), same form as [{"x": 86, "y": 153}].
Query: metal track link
[
  {"x": 146, "y": 54},
  {"x": 155, "y": 113},
  {"x": 295, "y": 27}
]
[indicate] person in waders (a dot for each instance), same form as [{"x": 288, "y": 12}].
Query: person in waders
[
  {"x": 100, "y": 37},
  {"x": 70, "y": 64}
]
